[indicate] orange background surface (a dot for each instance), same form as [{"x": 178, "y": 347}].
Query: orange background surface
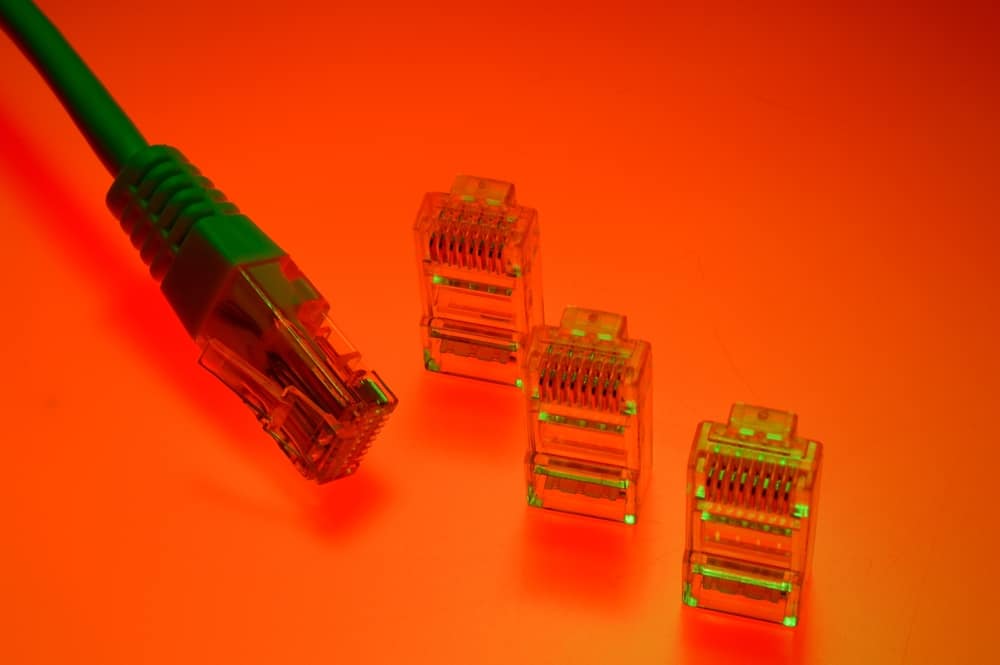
[{"x": 797, "y": 208}]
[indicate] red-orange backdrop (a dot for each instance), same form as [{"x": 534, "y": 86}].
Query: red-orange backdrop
[{"x": 796, "y": 207}]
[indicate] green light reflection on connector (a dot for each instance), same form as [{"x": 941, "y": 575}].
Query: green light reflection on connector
[
  {"x": 801, "y": 510},
  {"x": 604, "y": 336},
  {"x": 742, "y": 579},
  {"x": 576, "y": 332},
  {"x": 557, "y": 419},
  {"x": 429, "y": 361},
  {"x": 700, "y": 492},
  {"x": 689, "y": 599},
  {"x": 747, "y": 431},
  {"x": 790, "y": 621},
  {"x": 774, "y": 436},
  {"x": 630, "y": 407},
  {"x": 620, "y": 484},
  {"x": 472, "y": 286},
  {"x": 519, "y": 383},
  {"x": 745, "y": 524},
  {"x": 630, "y": 519},
  {"x": 380, "y": 396}
]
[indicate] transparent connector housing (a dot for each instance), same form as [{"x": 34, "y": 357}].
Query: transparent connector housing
[
  {"x": 751, "y": 514},
  {"x": 480, "y": 278},
  {"x": 589, "y": 416},
  {"x": 269, "y": 339}
]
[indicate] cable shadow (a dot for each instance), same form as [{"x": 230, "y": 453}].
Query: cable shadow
[{"x": 145, "y": 322}]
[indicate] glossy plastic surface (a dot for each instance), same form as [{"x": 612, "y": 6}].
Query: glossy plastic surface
[
  {"x": 752, "y": 504},
  {"x": 589, "y": 406},
  {"x": 480, "y": 279}
]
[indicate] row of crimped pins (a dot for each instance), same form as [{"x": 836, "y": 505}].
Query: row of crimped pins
[
  {"x": 370, "y": 429},
  {"x": 467, "y": 246},
  {"x": 749, "y": 482},
  {"x": 351, "y": 445},
  {"x": 471, "y": 237},
  {"x": 355, "y": 445},
  {"x": 584, "y": 380}
]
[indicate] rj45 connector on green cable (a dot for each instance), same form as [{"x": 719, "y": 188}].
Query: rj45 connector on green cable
[{"x": 262, "y": 325}]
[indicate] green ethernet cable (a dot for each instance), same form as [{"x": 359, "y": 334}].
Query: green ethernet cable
[{"x": 262, "y": 326}]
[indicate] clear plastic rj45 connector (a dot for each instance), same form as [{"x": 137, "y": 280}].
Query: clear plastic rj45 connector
[
  {"x": 751, "y": 514},
  {"x": 480, "y": 279},
  {"x": 269, "y": 339},
  {"x": 589, "y": 405}
]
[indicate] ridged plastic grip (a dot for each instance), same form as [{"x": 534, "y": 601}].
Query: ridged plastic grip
[{"x": 158, "y": 197}]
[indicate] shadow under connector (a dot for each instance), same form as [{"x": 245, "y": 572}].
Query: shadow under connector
[
  {"x": 752, "y": 495},
  {"x": 589, "y": 406},
  {"x": 480, "y": 278}
]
